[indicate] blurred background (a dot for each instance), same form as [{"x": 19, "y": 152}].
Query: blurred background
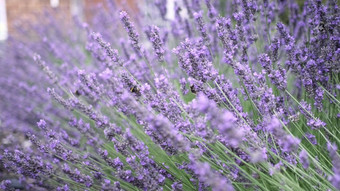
[{"x": 13, "y": 13}]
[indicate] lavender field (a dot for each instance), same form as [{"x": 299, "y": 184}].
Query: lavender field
[{"x": 221, "y": 96}]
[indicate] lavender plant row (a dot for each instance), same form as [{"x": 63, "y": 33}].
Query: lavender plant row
[{"x": 228, "y": 95}]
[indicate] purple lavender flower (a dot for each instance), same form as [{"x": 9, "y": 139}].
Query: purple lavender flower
[
  {"x": 249, "y": 9},
  {"x": 157, "y": 43},
  {"x": 120, "y": 128},
  {"x": 226, "y": 38},
  {"x": 6, "y": 185},
  {"x": 335, "y": 178},
  {"x": 318, "y": 98},
  {"x": 77, "y": 176},
  {"x": 113, "y": 54},
  {"x": 161, "y": 5},
  {"x": 58, "y": 98},
  {"x": 188, "y": 8},
  {"x": 274, "y": 49},
  {"x": 63, "y": 188},
  {"x": 287, "y": 39},
  {"x": 26, "y": 164},
  {"x": 211, "y": 10},
  {"x": 130, "y": 29},
  {"x": 158, "y": 127},
  {"x": 304, "y": 159},
  {"x": 193, "y": 58},
  {"x": 287, "y": 142},
  {"x": 278, "y": 77},
  {"x": 201, "y": 27},
  {"x": 316, "y": 124},
  {"x": 46, "y": 69},
  {"x": 114, "y": 163},
  {"x": 311, "y": 138},
  {"x": 224, "y": 122},
  {"x": 209, "y": 177}
]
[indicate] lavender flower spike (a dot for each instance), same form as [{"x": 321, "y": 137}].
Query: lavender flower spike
[
  {"x": 333, "y": 152},
  {"x": 113, "y": 54},
  {"x": 201, "y": 27},
  {"x": 156, "y": 42},
  {"x": 46, "y": 69},
  {"x": 130, "y": 29},
  {"x": 304, "y": 159}
]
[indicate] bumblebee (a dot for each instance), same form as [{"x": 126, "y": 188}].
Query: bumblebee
[
  {"x": 136, "y": 90},
  {"x": 192, "y": 89},
  {"x": 321, "y": 27},
  {"x": 77, "y": 93}
]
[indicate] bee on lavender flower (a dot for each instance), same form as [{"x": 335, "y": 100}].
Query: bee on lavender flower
[
  {"x": 193, "y": 90},
  {"x": 77, "y": 93},
  {"x": 135, "y": 90}
]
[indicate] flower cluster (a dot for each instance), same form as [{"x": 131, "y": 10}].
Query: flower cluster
[{"x": 227, "y": 95}]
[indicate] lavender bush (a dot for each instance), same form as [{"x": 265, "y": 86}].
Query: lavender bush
[{"x": 228, "y": 95}]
